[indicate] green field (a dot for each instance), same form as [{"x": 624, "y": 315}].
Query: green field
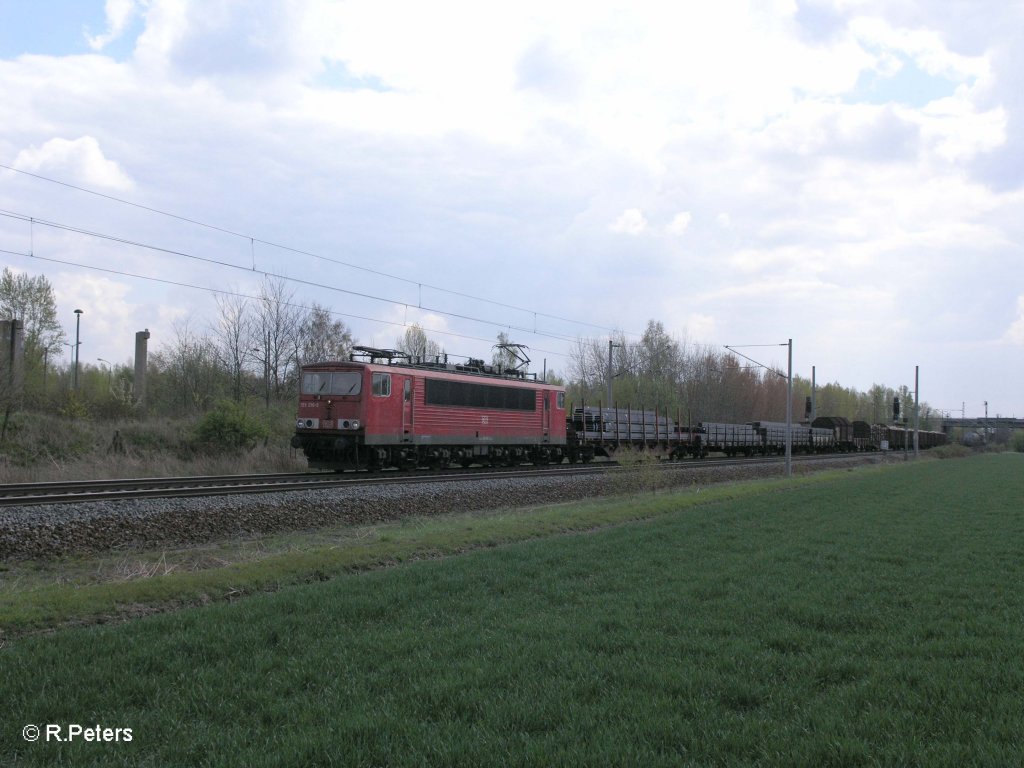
[{"x": 873, "y": 617}]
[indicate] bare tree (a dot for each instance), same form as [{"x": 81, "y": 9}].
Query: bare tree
[
  {"x": 321, "y": 337},
  {"x": 501, "y": 357},
  {"x": 589, "y": 363},
  {"x": 585, "y": 363},
  {"x": 415, "y": 343},
  {"x": 273, "y": 336},
  {"x": 189, "y": 363},
  {"x": 659, "y": 367},
  {"x": 232, "y": 333},
  {"x": 509, "y": 356}
]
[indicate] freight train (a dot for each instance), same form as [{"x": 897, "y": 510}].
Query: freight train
[{"x": 381, "y": 409}]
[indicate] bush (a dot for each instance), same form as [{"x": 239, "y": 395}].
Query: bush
[
  {"x": 74, "y": 406},
  {"x": 640, "y": 470},
  {"x": 34, "y": 438},
  {"x": 229, "y": 426},
  {"x": 951, "y": 451},
  {"x": 1017, "y": 441}
]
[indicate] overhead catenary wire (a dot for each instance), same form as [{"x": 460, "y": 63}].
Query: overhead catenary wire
[
  {"x": 249, "y": 297},
  {"x": 253, "y": 240},
  {"x": 219, "y": 263}
]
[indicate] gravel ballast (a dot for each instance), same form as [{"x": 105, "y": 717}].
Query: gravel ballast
[{"x": 63, "y": 529}]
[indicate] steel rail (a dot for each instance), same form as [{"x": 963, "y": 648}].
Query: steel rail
[
  {"x": 73, "y": 492},
  {"x": 127, "y": 483},
  {"x": 26, "y": 494}
]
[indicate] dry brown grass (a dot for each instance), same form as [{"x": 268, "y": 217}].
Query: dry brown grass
[{"x": 44, "y": 448}]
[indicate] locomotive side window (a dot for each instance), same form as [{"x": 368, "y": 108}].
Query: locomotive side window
[
  {"x": 561, "y": 400},
  {"x": 382, "y": 384},
  {"x": 458, "y": 393}
]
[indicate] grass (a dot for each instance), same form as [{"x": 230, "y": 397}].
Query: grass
[
  {"x": 870, "y": 618},
  {"x": 38, "y": 595},
  {"x": 46, "y": 447}
]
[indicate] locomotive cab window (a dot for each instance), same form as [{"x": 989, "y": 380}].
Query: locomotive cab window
[
  {"x": 316, "y": 383},
  {"x": 561, "y": 401},
  {"x": 327, "y": 383},
  {"x": 382, "y": 384}
]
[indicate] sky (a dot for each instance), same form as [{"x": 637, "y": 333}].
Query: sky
[{"x": 848, "y": 174}]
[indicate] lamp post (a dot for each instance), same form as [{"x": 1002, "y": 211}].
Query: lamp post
[
  {"x": 78, "y": 326},
  {"x": 110, "y": 370}
]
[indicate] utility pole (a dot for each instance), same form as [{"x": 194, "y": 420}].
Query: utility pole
[
  {"x": 611, "y": 345},
  {"x": 917, "y": 412},
  {"x": 814, "y": 393},
  {"x": 78, "y": 325},
  {"x": 789, "y": 413}
]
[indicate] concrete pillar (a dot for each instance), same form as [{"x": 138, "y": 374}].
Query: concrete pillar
[
  {"x": 141, "y": 352},
  {"x": 12, "y": 362}
]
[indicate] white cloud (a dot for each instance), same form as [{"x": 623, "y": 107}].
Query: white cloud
[
  {"x": 401, "y": 317},
  {"x": 108, "y": 313},
  {"x": 700, "y": 326},
  {"x": 630, "y": 222},
  {"x": 486, "y": 145},
  {"x": 680, "y": 223},
  {"x": 924, "y": 46},
  {"x": 81, "y": 158},
  {"x": 119, "y": 13},
  {"x": 958, "y": 132},
  {"x": 1015, "y": 333}
]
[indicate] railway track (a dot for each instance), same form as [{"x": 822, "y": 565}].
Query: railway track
[{"x": 75, "y": 492}]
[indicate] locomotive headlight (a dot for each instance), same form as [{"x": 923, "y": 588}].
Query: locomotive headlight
[
  {"x": 307, "y": 423},
  {"x": 355, "y": 424}
]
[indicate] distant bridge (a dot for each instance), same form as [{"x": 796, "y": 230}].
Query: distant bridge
[{"x": 980, "y": 423}]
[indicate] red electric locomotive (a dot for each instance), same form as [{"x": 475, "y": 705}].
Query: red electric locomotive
[{"x": 384, "y": 410}]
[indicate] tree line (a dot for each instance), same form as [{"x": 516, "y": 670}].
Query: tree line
[
  {"x": 695, "y": 382},
  {"x": 255, "y": 346}
]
